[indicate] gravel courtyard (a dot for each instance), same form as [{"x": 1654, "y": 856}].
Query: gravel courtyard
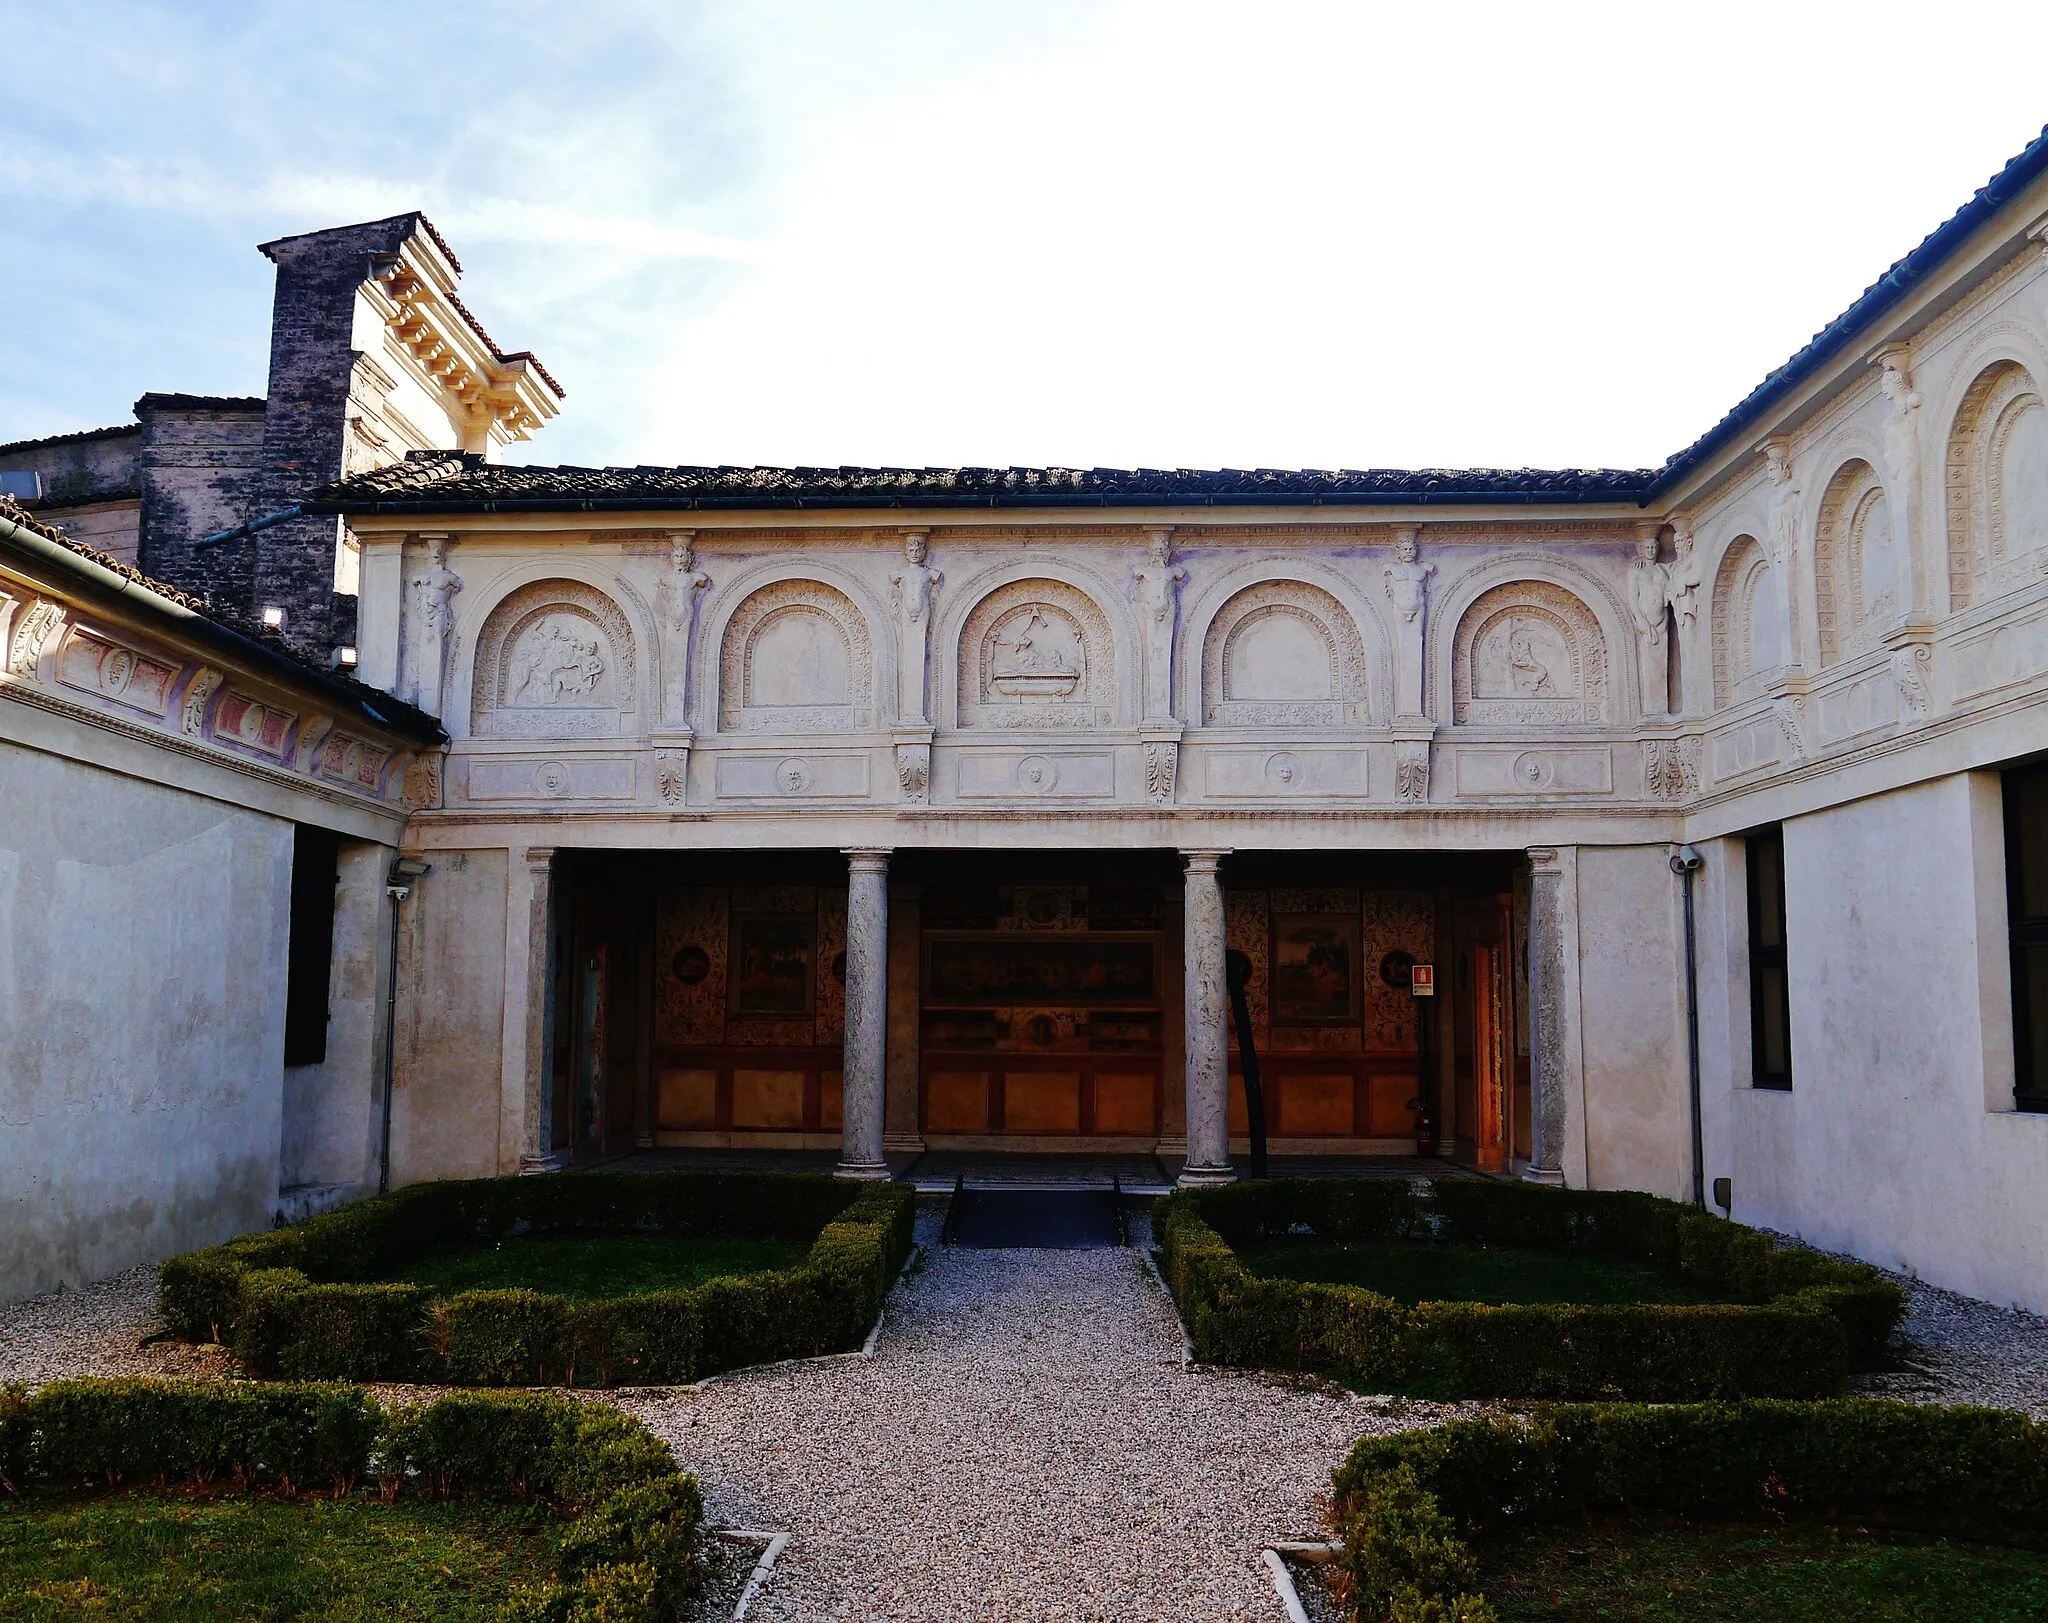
[{"x": 1025, "y": 1445}]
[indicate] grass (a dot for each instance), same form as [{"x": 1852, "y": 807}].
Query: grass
[
  {"x": 1425, "y": 1271},
  {"x": 584, "y": 1266},
  {"x": 174, "y": 1558},
  {"x": 1674, "y": 1572}
]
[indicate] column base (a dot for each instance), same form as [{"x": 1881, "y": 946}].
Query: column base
[
  {"x": 866, "y": 1171},
  {"x": 1544, "y": 1175},
  {"x": 554, "y": 1161},
  {"x": 1205, "y": 1177}
]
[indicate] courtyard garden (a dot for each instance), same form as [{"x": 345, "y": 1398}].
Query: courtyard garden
[
  {"x": 1490, "y": 1289},
  {"x": 228, "y": 1501},
  {"x": 602, "y": 1279}
]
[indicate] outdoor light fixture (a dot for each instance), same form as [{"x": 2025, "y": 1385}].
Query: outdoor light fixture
[
  {"x": 273, "y": 617},
  {"x": 345, "y": 657}
]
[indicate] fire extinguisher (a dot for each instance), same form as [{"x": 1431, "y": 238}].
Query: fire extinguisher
[{"x": 1425, "y": 1129}]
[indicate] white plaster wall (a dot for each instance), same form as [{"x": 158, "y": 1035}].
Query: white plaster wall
[
  {"x": 1637, "y": 1118},
  {"x": 445, "y": 1106},
  {"x": 331, "y": 1120},
  {"x": 1897, "y": 1141},
  {"x": 142, "y": 986}
]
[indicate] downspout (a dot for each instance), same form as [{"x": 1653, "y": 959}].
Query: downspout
[
  {"x": 1685, "y": 862},
  {"x": 397, "y": 885}
]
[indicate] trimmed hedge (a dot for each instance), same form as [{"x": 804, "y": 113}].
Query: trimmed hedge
[
  {"x": 1406, "y": 1503},
  {"x": 306, "y": 1302},
  {"x": 627, "y": 1551},
  {"x": 1800, "y": 1323}
]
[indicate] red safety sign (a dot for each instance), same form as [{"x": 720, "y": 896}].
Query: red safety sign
[{"x": 1422, "y": 979}]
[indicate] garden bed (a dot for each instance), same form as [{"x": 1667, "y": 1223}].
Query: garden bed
[
  {"x": 318, "y": 1300},
  {"x": 203, "y": 1500},
  {"x": 1787, "y": 1323},
  {"x": 1849, "y": 1508}
]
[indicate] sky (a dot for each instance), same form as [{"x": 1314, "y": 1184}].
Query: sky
[{"x": 1162, "y": 233}]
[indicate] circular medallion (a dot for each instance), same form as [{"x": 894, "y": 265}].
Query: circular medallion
[
  {"x": 1533, "y": 771},
  {"x": 1036, "y": 774},
  {"x": 1397, "y": 970},
  {"x": 551, "y": 778},
  {"x": 117, "y": 673},
  {"x": 1283, "y": 771},
  {"x": 692, "y": 966},
  {"x": 793, "y": 777}
]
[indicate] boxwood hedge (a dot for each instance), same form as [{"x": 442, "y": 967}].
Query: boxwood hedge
[
  {"x": 308, "y": 1302},
  {"x": 632, "y": 1524},
  {"x": 1799, "y": 1322},
  {"x": 1406, "y": 1504}
]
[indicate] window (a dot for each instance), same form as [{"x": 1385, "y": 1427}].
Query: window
[
  {"x": 1770, "y": 1002},
  {"x": 2026, "y": 913},
  {"x": 310, "y": 956}
]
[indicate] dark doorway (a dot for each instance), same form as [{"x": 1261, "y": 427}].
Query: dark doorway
[{"x": 1034, "y": 1219}]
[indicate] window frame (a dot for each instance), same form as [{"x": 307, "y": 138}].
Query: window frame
[
  {"x": 309, "y": 949},
  {"x": 1764, "y": 959},
  {"x": 2023, "y": 931}
]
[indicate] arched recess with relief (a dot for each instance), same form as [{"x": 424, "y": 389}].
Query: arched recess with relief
[
  {"x": 555, "y": 659},
  {"x": 1530, "y": 653},
  {"x": 1284, "y": 653},
  {"x": 1855, "y": 561},
  {"x": 1036, "y": 653},
  {"x": 1750, "y": 641},
  {"x": 795, "y": 658},
  {"x": 1997, "y": 486}
]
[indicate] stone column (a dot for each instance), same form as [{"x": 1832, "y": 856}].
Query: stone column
[
  {"x": 867, "y": 1015},
  {"x": 529, "y": 1009},
  {"x": 1551, "y": 1027},
  {"x": 1206, "y": 1007}
]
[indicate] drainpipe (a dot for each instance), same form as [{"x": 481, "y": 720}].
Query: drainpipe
[
  {"x": 397, "y": 885},
  {"x": 1685, "y": 862}
]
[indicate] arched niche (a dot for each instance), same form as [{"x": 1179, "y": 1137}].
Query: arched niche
[
  {"x": 1997, "y": 486},
  {"x": 554, "y": 660},
  {"x": 1037, "y": 654},
  {"x": 1856, "y": 589},
  {"x": 1283, "y": 653},
  {"x": 1751, "y": 641},
  {"x": 1529, "y": 653},
  {"x": 795, "y": 658}
]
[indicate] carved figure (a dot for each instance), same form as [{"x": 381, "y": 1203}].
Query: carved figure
[
  {"x": 434, "y": 599},
  {"x": 1028, "y": 661},
  {"x": 559, "y": 664},
  {"x": 1649, "y": 594},
  {"x": 1902, "y": 461},
  {"x": 1155, "y": 585},
  {"x": 1783, "y": 536},
  {"x": 1909, "y": 670},
  {"x": 1528, "y": 676},
  {"x": 1685, "y": 575},
  {"x": 915, "y": 583},
  {"x": 1407, "y": 587},
  {"x": 676, "y": 602}
]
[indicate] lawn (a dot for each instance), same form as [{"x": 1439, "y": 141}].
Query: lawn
[
  {"x": 585, "y": 1266},
  {"x": 174, "y": 1558},
  {"x": 1424, "y": 1271},
  {"x": 1673, "y": 1572}
]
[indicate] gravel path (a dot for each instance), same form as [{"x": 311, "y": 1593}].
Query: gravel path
[
  {"x": 1024, "y": 1445},
  {"x": 106, "y": 1328},
  {"x": 1967, "y": 1351}
]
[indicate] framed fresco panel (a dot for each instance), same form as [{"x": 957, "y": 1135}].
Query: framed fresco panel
[
  {"x": 1003, "y": 970},
  {"x": 771, "y": 973},
  {"x": 1314, "y": 979}
]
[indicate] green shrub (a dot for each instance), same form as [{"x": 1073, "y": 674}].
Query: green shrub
[
  {"x": 307, "y": 1302},
  {"x": 136, "y": 1431},
  {"x": 1801, "y": 1320},
  {"x": 629, "y": 1555},
  {"x": 1956, "y": 1469},
  {"x": 1406, "y": 1502}
]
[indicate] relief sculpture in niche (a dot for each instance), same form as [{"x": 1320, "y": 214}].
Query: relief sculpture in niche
[
  {"x": 1997, "y": 487},
  {"x": 1035, "y": 654},
  {"x": 1283, "y": 653},
  {"x": 1529, "y": 653},
  {"x": 555, "y": 660},
  {"x": 796, "y": 659}
]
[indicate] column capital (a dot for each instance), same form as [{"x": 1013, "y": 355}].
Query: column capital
[
  {"x": 868, "y": 858},
  {"x": 1204, "y": 858},
  {"x": 1545, "y": 856},
  {"x": 540, "y": 856}
]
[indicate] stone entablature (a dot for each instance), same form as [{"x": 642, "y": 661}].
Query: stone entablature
[{"x": 120, "y": 660}]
